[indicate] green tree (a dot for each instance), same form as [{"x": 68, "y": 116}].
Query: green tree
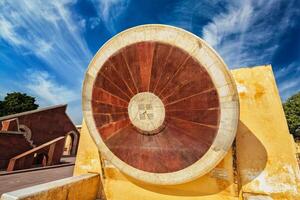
[
  {"x": 1, "y": 109},
  {"x": 292, "y": 112},
  {"x": 17, "y": 102}
]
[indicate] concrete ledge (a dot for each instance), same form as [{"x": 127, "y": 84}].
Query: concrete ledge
[{"x": 84, "y": 187}]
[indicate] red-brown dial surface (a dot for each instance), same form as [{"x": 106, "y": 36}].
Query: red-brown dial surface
[{"x": 190, "y": 100}]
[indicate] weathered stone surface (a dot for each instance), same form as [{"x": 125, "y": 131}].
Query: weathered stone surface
[{"x": 266, "y": 156}]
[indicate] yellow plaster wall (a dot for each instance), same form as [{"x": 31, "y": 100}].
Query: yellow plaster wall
[
  {"x": 266, "y": 162},
  {"x": 297, "y": 146},
  {"x": 68, "y": 145},
  {"x": 88, "y": 157},
  {"x": 265, "y": 150}
]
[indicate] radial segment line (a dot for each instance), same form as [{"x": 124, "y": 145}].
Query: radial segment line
[
  {"x": 114, "y": 84},
  {"x": 187, "y": 97},
  {"x": 110, "y": 104},
  {"x": 113, "y": 134},
  {"x": 129, "y": 70},
  {"x": 124, "y": 100},
  {"x": 114, "y": 67},
  {"x": 195, "y": 109},
  {"x": 179, "y": 68},
  {"x": 206, "y": 125},
  {"x": 154, "y": 48},
  {"x": 163, "y": 69}
]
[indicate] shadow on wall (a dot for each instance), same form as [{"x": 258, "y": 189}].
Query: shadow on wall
[
  {"x": 251, "y": 155},
  {"x": 251, "y": 158},
  {"x": 203, "y": 186}
]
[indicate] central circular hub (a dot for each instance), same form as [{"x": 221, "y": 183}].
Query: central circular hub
[{"x": 146, "y": 112}]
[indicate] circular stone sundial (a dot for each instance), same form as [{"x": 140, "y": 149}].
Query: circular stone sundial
[{"x": 160, "y": 104}]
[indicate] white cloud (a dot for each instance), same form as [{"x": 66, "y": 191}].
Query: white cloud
[
  {"x": 48, "y": 30},
  {"x": 82, "y": 23},
  {"x": 288, "y": 80},
  {"x": 246, "y": 34},
  {"x": 94, "y": 22},
  {"x": 190, "y": 14},
  {"x": 109, "y": 11},
  {"x": 291, "y": 69},
  {"x": 47, "y": 90},
  {"x": 234, "y": 21},
  {"x": 7, "y": 32},
  {"x": 288, "y": 87}
]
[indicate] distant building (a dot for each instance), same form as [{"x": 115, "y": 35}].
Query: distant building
[{"x": 36, "y": 138}]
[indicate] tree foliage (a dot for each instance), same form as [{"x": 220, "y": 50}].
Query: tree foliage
[
  {"x": 292, "y": 112},
  {"x": 17, "y": 102}
]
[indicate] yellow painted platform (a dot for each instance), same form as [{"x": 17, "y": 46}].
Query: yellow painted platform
[{"x": 262, "y": 164}]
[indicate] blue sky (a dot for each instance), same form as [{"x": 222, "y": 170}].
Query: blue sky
[{"x": 45, "y": 46}]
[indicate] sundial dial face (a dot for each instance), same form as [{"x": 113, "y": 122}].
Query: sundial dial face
[
  {"x": 160, "y": 104},
  {"x": 155, "y": 102}
]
